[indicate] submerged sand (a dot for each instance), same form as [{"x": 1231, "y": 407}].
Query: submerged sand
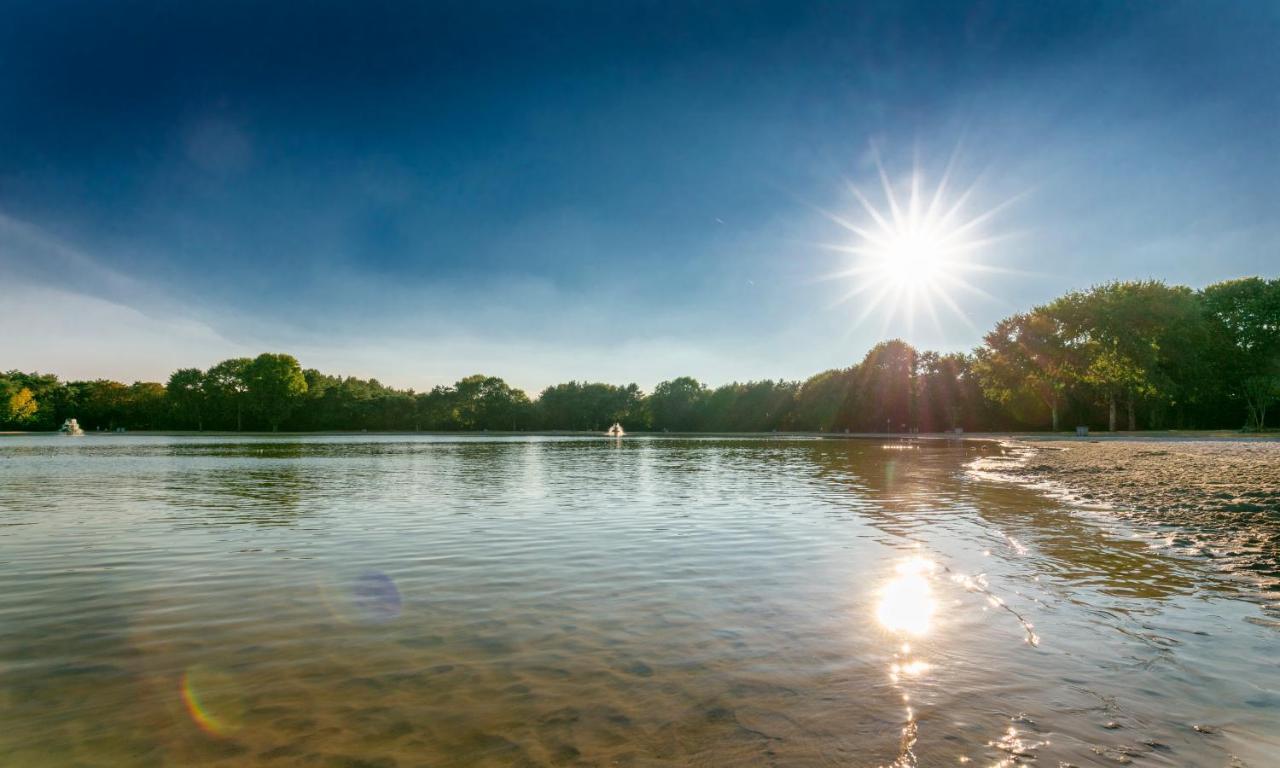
[{"x": 1221, "y": 496}]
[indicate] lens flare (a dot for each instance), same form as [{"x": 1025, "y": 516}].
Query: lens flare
[
  {"x": 213, "y": 700},
  {"x": 368, "y": 597}
]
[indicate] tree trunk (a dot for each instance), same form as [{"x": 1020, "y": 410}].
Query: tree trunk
[
  {"x": 238, "y": 417},
  {"x": 1053, "y": 409},
  {"x": 1111, "y": 423},
  {"x": 1133, "y": 415}
]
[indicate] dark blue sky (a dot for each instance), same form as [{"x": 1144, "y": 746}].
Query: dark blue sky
[{"x": 622, "y": 191}]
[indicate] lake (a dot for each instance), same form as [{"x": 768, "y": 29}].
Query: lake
[{"x": 540, "y": 601}]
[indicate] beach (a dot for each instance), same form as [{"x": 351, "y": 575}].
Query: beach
[{"x": 1223, "y": 495}]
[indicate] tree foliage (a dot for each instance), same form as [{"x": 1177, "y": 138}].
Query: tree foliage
[
  {"x": 592, "y": 406},
  {"x": 187, "y": 395},
  {"x": 1027, "y": 355},
  {"x": 22, "y": 406},
  {"x": 677, "y": 404},
  {"x": 275, "y": 384},
  {"x": 1168, "y": 355},
  {"x": 1245, "y": 319}
]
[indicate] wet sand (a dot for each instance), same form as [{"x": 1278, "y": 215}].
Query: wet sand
[{"x": 1222, "y": 495}]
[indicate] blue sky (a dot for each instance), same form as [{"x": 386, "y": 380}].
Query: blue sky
[{"x": 608, "y": 191}]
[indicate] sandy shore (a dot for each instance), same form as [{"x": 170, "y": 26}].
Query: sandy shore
[{"x": 1223, "y": 495}]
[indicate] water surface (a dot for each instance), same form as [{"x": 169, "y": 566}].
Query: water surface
[{"x": 428, "y": 601}]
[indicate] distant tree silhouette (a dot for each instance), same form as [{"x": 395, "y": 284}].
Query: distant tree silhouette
[{"x": 1208, "y": 358}]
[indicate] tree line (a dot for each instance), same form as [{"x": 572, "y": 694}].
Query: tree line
[{"x": 1133, "y": 355}]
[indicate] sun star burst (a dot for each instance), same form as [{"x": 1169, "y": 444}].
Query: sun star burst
[{"x": 913, "y": 253}]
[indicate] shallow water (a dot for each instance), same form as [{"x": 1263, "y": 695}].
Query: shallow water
[{"x": 387, "y": 601}]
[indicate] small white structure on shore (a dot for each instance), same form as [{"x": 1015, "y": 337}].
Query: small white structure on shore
[
  {"x": 615, "y": 430},
  {"x": 71, "y": 427}
]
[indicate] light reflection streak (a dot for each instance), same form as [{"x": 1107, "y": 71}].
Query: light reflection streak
[
  {"x": 1016, "y": 747},
  {"x": 978, "y": 584},
  {"x": 907, "y": 607}
]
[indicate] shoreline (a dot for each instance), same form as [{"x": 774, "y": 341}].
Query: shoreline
[
  {"x": 1213, "y": 498},
  {"x": 1030, "y": 438}
]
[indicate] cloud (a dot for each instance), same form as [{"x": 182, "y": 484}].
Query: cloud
[
  {"x": 82, "y": 337},
  {"x": 30, "y": 255},
  {"x": 66, "y": 312}
]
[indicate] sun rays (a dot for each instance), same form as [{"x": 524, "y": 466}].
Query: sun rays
[{"x": 915, "y": 251}]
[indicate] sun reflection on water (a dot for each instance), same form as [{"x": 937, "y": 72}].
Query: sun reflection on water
[
  {"x": 1017, "y": 747},
  {"x": 907, "y": 607},
  {"x": 909, "y": 669},
  {"x": 906, "y": 603}
]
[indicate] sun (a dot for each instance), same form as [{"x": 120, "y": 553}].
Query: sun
[
  {"x": 915, "y": 253},
  {"x": 911, "y": 257}
]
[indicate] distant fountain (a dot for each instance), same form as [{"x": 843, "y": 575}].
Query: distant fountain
[
  {"x": 615, "y": 430},
  {"x": 71, "y": 427}
]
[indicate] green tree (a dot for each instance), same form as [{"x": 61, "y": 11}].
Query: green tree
[
  {"x": 1137, "y": 328},
  {"x": 436, "y": 410},
  {"x": 882, "y": 392},
  {"x": 145, "y": 406},
  {"x": 227, "y": 387},
  {"x": 104, "y": 403},
  {"x": 1260, "y": 391},
  {"x": 1115, "y": 375},
  {"x": 754, "y": 406},
  {"x": 186, "y": 393},
  {"x": 676, "y": 404},
  {"x": 275, "y": 385},
  {"x": 49, "y": 397},
  {"x": 1245, "y": 315},
  {"x": 949, "y": 393},
  {"x": 1026, "y": 354},
  {"x": 488, "y": 402},
  {"x": 590, "y": 406},
  {"x": 818, "y": 402}
]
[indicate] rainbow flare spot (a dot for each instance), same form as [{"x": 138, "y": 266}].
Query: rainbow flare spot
[{"x": 212, "y": 700}]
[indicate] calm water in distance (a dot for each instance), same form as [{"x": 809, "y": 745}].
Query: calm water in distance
[{"x": 464, "y": 601}]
